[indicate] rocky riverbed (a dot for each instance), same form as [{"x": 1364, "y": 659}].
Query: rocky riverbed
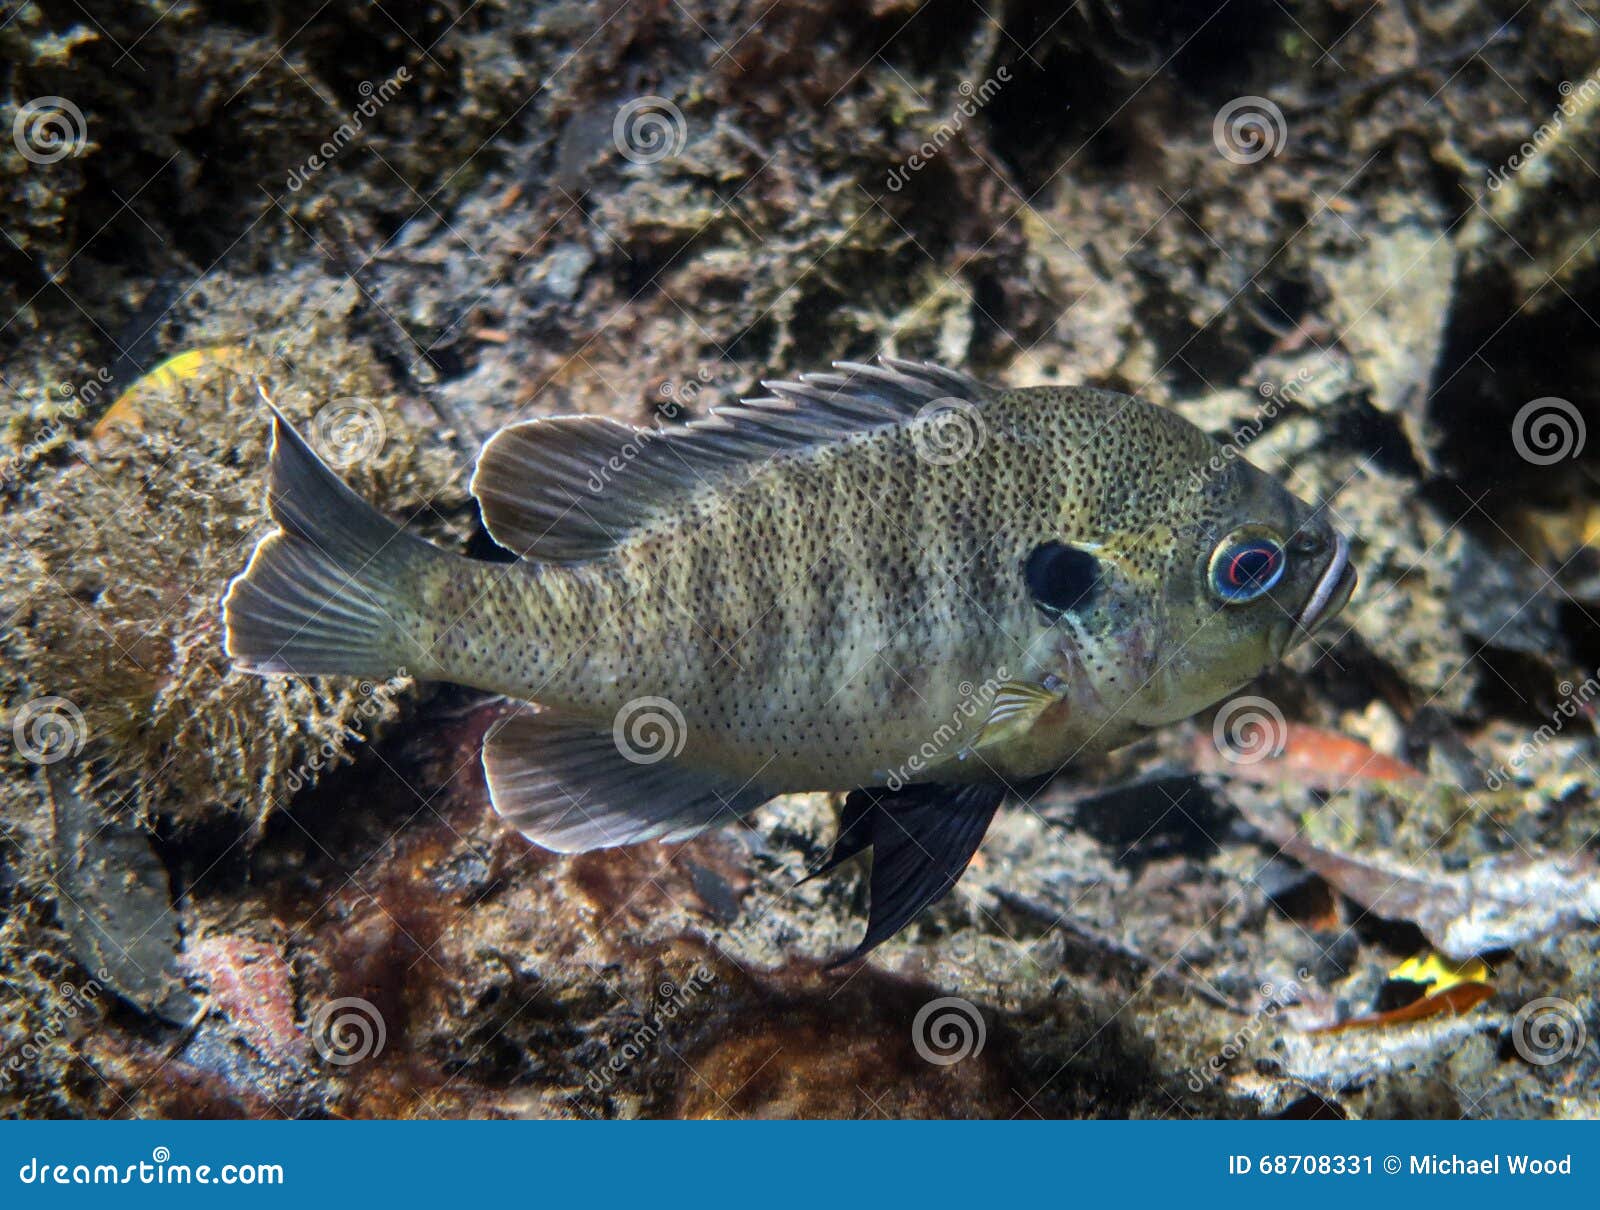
[{"x": 1356, "y": 242}]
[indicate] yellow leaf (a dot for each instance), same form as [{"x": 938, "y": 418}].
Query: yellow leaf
[
  {"x": 1431, "y": 969},
  {"x": 175, "y": 369}
]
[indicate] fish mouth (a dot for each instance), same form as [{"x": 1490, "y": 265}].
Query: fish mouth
[{"x": 1333, "y": 590}]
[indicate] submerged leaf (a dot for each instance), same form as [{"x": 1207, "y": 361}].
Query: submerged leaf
[
  {"x": 116, "y": 901},
  {"x": 1498, "y": 904},
  {"x": 1309, "y": 756},
  {"x": 181, "y": 367},
  {"x": 1438, "y": 972},
  {"x": 1453, "y": 1002}
]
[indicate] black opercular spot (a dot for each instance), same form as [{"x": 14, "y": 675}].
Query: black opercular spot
[{"x": 1061, "y": 577}]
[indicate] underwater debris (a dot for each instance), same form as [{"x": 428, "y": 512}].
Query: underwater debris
[
  {"x": 1498, "y": 903},
  {"x": 115, "y": 901}
]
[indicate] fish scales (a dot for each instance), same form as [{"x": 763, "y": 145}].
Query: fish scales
[{"x": 723, "y": 600}]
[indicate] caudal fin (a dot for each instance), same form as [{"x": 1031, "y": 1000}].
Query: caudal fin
[{"x": 329, "y": 593}]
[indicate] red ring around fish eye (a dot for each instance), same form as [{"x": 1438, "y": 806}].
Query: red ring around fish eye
[{"x": 1243, "y": 569}]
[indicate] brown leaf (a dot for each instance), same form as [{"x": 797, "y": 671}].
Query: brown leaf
[
  {"x": 1309, "y": 756},
  {"x": 1453, "y": 1001},
  {"x": 1498, "y": 904}
]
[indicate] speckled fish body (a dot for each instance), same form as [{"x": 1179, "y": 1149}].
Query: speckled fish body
[
  {"x": 880, "y": 577},
  {"x": 816, "y": 621}
]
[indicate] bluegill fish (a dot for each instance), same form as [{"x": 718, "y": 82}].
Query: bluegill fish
[{"x": 890, "y": 580}]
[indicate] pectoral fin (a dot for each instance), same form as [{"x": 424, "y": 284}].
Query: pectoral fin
[
  {"x": 922, "y": 838},
  {"x": 1017, "y": 708}
]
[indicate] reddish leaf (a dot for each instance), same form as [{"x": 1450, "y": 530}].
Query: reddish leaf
[
  {"x": 1323, "y": 760},
  {"x": 1454, "y": 1001}
]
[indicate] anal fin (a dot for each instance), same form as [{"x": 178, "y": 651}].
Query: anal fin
[{"x": 568, "y": 788}]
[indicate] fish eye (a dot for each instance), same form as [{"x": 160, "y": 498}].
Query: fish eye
[{"x": 1245, "y": 566}]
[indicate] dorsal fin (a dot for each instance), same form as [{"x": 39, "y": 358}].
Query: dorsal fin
[{"x": 569, "y": 488}]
